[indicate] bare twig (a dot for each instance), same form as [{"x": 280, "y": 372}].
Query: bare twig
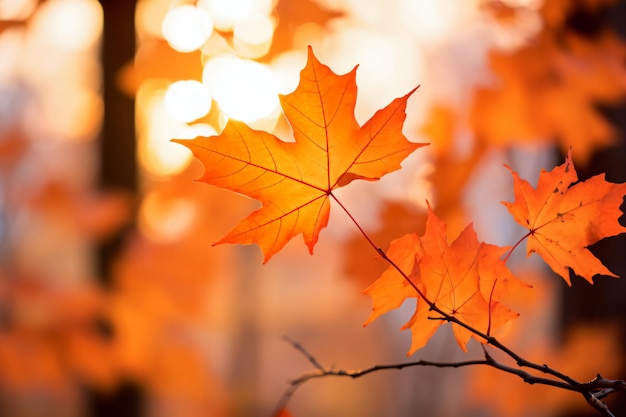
[
  {"x": 302, "y": 350},
  {"x": 593, "y": 391},
  {"x": 326, "y": 372}
]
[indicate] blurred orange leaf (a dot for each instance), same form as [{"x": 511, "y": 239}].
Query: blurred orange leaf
[
  {"x": 156, "y": 59},
  {"x": 562, "y": 219},
  {"x": 294, "y": 181},
  {"x": 550, "y": 90},
  {"x": 96, "y": 214},
  {"x": 291, "y": 16}
]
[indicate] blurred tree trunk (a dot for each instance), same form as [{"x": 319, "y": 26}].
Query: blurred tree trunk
[
  {"x": 118, "y": 167},
  {"x": 118, "y": 171}
]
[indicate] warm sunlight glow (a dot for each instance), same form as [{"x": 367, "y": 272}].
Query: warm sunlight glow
[
  {"x": 163, "y": 219},
  {"x": 182, "y": 182},
  {"x": 308, "y": 33},
  {"x": 287, "y": 67},
  {"x": 157, "y": 155},
  {"x": 245, "y": 90},
  {"x": 12, "y": 46},
  {"x": 253, "y": 36},
  {"x": 226, "y": 13},
  {"x": 187, "y": 100},
  {"x": 532, "y": 4},
  {"x": 71, "y": 25},
  {"x": 149, "y": 15},
  {"x": 421, "y": 188},
  {"x": 187, "y": 28},
  {"x": 16, "y": 9},
  {"x": 73, "y": 114},
  {"x": 432, "y": 21}
]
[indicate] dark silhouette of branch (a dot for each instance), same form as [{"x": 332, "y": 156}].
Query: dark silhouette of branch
[{"x": 593, "y": 391}]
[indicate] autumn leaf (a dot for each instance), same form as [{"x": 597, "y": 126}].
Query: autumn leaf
[
  {"x": 465, "y": 279},
  {"x": 155, "y": 59},
  {"x": 547, "y": 83},
  {"x": 564, "y": 219},
  {"x": 294, "y": 180},
  {"x": 392, "y": 288},
  {"x": 292, "y": 15}
]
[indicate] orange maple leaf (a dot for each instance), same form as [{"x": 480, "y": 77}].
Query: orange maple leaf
[
  {"x": 550, "y": 89},
  {"x": 563, "y": 220},
  {"x": 294, "y": 180},
  {"x": 465, "y": 279}
]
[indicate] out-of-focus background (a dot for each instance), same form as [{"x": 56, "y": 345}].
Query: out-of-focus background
[{"x": 113, "y": 301}]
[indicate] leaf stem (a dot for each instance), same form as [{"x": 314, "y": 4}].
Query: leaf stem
[
  {"x": 384, "y": 256},
  {"x": 508, "y": 255}
]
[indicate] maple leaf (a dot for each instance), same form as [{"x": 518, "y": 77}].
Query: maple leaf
[
  {"x": 156, "y": 59},
  {"x": 563, "y": 220},
  {"x": 550, "y": 89},
  {"x": 465, "y": 279},
  {"x": 291, "y": 16},
  {"x": 294, "y": 180}
]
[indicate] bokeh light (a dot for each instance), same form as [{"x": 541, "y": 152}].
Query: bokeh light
[
  {"x": 187, "y": 100},
  {"x": 226, "y": 13},
  {"x": 245, "y": 90},
  {"x": 253, "y": 36},
  {"x": 149, "y": 16},
  {"x": 71, "y": 25},
  {"x": 157, "y": 155},
  {"x": 70, "y": 114},
  {"x": 434, "y": 21},
  {"x": 187, "y": 28},
  {"x": 16, "y": 9},
  {"x": 163, "y": 219}
]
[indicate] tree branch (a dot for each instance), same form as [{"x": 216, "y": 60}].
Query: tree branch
[{"x": 593, "y": 391}]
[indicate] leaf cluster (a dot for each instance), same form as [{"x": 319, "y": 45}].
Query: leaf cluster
[{"x": 462, "y": 281}]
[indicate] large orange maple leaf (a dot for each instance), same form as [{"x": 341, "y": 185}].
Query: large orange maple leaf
[
  {"x": 465, "y": 279},
  {"x": 563, "y": 220},
  {"x": 295, "y": 180}
]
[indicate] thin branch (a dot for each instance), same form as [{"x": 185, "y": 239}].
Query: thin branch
[
  {"x": 302, "y": 350},
  {"x": 593, "y": 391}
]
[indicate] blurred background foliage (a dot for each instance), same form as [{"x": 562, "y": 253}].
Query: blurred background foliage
[{"x": 113, "y": 301}]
